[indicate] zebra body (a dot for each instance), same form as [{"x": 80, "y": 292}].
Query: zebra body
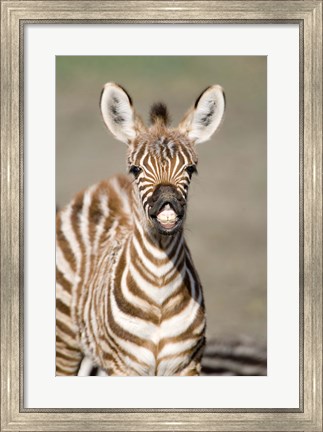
[{"x": 128, "y": 295}]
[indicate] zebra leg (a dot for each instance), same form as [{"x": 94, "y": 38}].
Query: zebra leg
[
  {"x": 68, "y": 358},
  {"x": 86, "y": 367},
  {"x": 194, "y": 366},
  {"x": 192, "y": 369},
  {"x": 68, "y": 353}
]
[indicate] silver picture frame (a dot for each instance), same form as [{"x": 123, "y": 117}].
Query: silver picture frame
[{"x": 14, "y": 16}]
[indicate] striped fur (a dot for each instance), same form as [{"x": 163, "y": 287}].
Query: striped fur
[{"x": 128, "y": 295}]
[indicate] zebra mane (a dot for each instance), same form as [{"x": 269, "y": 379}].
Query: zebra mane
[{"x": 159, "y": 113}]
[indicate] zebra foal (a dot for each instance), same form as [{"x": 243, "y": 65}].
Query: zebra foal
[{"x": 128, "y": 296}]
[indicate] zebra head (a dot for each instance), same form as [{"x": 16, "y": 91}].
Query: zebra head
[{"x": 161, "y": 159}]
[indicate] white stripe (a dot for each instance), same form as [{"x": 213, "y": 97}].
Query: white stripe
[
  {"x": 145, "y": 184},
  {"x": 156, "y": 174},
  {"x": 123, "y": 195},
  {"x": 158, "y": 294},
  {"x": 69, "y": 341},
  {"x": 179, "y": 323},
  {"x": 119, "y": 361},
  {"x": 134, "y": 325},
  {"x": 144, "y": 355},
  {"x": 84, "y": 228},
  {"x": 176, "y": 165},
  {"x": 70, "y": 234},
  {"x": 65, "y": 319},
  {"x": 176, "y": 348},
  {"x": 70, "y": 369},
  {"x": 63, "y": 295},
  {"x": 153, "y": 250},
  {"x": 128, "y": 295},
  {"x": 170, "y": 366},
  {"x": 113, "y": 229},
  {"x": 75, "y": 247},
  {"x": 158, "y": 270}
]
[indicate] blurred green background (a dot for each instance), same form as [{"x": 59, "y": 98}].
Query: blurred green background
[{"x": 226, "y": 227}]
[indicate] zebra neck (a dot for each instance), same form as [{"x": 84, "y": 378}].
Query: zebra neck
[
  {"x": 158, "y": 247},
  {"x": 144, "y": 232}
]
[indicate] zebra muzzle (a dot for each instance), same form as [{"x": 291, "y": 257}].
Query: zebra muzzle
[
  {"x": 167, "y": 217},
  {"x": 166, "y": 209}
]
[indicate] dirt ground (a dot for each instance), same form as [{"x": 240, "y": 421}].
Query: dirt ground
[{"x": 227, "y": 215}]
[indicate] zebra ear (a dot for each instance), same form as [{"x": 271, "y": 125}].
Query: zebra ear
[
  {"x": 118, "y": 113},
  {"x": 204, "y": 118}
]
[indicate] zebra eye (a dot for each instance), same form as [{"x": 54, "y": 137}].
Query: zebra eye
[
  {"x": 191, "y": 169},
  {"x": 135, "y": 170}
]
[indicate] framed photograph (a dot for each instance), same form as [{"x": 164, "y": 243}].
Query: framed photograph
[{"x": 163, "y": 77}]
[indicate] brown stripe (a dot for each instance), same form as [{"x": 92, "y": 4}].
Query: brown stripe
[
  {"x": 122, "y": 367},
  {"x": 189, "y": 353},
  {"x": 177, "y": 269},
  {"x": 61, "y": 371},
  {"x": 63, "y": 307},
  {"x": 95, "y": 212},
  {"x": 171, "y": 302},
  {"x": 87, "y": 319},
  {"x": 66, "y": 357},
  {"x": 183, "y": 301},
  {"x": 64, "y": 244},
  {"x": 77, "y": 208},
  {"x": 192, "y": 361},
  {"x": 187, "y": 334},
  {"x": 139, "y": 264},
  {"x": 142, "y": 150},
  {"x": 137, "y": 291},
  {"x": 60, "y": 278},
  {"x": 142, "y": 269},
  {"x": 130, "y": 309},
  {"x": 192, "y": 353},
  {"x": 133, "y": 287},
  {"x": 65, "y": 329},
  {"x": 149, "y": 256},
  {"x": 118, "y": 351},
  {"x": 125, "y": 335},
  {"x": 59, "y": 340},
  {"x": 198, "y": 286}
]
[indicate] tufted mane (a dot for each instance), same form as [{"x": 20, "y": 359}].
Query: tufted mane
[{"x": 159, "y": 112}]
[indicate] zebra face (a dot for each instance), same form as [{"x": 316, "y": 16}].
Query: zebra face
[
  {"x": 162, "y": 160},
  {"x": 162, "y": 163}
]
